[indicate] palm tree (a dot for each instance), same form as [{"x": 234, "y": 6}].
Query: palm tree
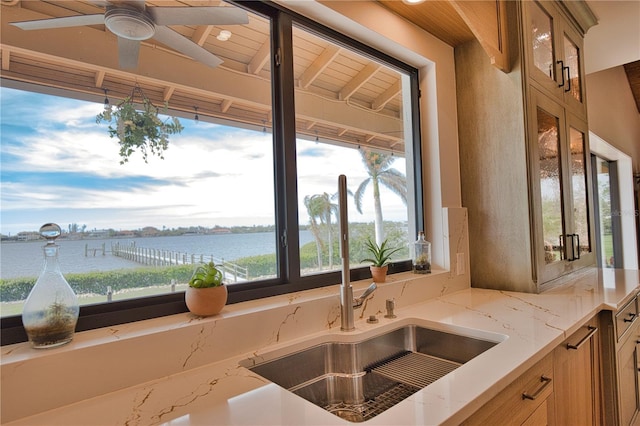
[
  {"x": 378, "y": 166},
  {"x": 315, "y": 212},
  {"x": 319, "y": 206}
]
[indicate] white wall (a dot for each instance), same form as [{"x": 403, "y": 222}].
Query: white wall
[{"x": 613, "y": 114}]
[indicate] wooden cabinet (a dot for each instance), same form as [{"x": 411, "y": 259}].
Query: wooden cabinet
[
  {"x": 526, "y": 401},
  {"x": 621, "y": 363},
  {"x": 564, "y": 388},
  {"x": 629, "y": 363},
  {"x": 524, "y": 148},
  {"x": 576, "y": 367}
]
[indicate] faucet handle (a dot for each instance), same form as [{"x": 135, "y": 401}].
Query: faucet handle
[{"x": 360, "y": 300}]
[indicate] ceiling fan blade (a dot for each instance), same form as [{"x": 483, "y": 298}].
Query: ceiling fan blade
[
  {"x": 138, "y": 4},
  {"x": 205, "y": 15},
  {"x": 185, "y": 46},
  {"x": 64, "y": 22},
  {"x": 128, "y": 51}
]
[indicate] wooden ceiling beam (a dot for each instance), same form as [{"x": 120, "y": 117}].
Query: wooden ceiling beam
[
  {"x": 6, "y": 59},
  {"x": 386, "y": 96},
  {"x": 359, "y": 80},
  {"x": 100, "y": 78},
  {"x": 201, "y": 34},
  {"x": 168, "y": 92},
  {"x": 260, "y": 59},
  {"x": 318, "y": 66}
]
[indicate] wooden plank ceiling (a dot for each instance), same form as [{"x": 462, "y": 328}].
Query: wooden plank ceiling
[
  {"x": 341, "y": 97},
  {"x": 633, "y": 74}
]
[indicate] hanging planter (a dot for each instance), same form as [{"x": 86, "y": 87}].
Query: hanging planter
[{"x": 138, "y": 127}]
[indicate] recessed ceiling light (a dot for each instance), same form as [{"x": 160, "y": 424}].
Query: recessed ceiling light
[
  {"x": 412, "y": 1},
  {"x": 224, "y": 35}
]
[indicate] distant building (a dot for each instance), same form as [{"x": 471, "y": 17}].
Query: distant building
[
  {"x": 149, "y": 231},
  {"x": 220, "y": 231},
  {"x": 28, "y": 236}
]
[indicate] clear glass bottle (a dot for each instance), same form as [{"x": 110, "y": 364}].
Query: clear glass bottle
[
  {"x": 51, "y": 311},
  {"x": 421, "y": 255}
]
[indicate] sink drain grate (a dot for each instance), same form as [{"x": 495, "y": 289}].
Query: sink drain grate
[
  {"x": 371, "y": 408},
  {"x": 416, "y": 369}
]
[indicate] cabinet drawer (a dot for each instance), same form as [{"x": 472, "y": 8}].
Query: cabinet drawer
[
  {"x": 626, "y": 317},
  {"x": 524, "y": 400}
]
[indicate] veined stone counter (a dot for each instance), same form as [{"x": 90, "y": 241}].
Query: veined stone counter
[{"x": 183, "y": 370}]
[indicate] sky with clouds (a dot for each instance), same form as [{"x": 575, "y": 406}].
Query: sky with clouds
[{"x": 58, "y": 165}]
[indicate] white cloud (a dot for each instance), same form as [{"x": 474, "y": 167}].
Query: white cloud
[{"x": 210, "y": 175}]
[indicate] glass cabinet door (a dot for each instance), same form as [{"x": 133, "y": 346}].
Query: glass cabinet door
[
  {"x": 542, "y": 40},
  {"x": 572, "y": 64},
  {"x": 551, "y": 196},
  {"x": 562, "y": 213},
  {"x": 578, "y": 166},
  {"x": 573, "y": 90}
]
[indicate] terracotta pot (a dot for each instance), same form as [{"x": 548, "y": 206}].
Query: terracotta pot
[
  {"x": 379, "y": 273},
  {"x": 206, "y": 301}
]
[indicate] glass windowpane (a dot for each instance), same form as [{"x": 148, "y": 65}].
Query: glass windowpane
[
  {"x": 353, "y": 118},
  {"x": 136, "y": 229},
  {"x": 604, "y": 205}
]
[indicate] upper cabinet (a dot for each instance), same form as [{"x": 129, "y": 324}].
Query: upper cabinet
[
  {"x": 560, "y": 183},
  {"x": 524, "y": 152},
  {"x": 554, "y": 51}
]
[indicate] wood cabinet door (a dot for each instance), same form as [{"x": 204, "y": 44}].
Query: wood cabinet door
[
  {"x": 577, "y": 379},
  {"x": 628, "y": 358}
]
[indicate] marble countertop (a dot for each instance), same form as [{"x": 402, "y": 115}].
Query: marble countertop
[{"x": 222, "y": 392}]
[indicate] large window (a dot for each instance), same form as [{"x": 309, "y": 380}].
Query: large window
[{"x": 249, "y": 182}]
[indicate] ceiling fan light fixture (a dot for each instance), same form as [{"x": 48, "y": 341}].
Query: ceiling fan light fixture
[{"x": 131, "y": 24}]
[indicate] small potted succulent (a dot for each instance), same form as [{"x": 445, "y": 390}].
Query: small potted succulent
[
  {"x": 380, "y": 256},
  {"x": 206, "y": 294}
]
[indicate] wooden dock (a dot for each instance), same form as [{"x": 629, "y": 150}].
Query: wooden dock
[{"x": 159, "y": 257}]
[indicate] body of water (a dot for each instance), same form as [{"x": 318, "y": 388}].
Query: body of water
[{"x": 25, "y": 259}]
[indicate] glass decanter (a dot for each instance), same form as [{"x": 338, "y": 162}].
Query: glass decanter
[
  {"x": 421, "y": 255},
  {"x": 51, "y": 311}
]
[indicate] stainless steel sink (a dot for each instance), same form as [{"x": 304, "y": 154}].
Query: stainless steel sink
[{"x": 357, "y": 381}]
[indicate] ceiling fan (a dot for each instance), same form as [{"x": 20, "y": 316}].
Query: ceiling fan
[{"x": 132, "y": 21}]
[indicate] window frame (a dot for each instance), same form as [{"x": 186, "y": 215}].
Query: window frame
[{"x": 286, "y": 197}]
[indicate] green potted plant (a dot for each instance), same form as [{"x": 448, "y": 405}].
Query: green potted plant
[
  {"x": 206, "y": 294},
  {"x": 139, "y": 127},
  {"x": 380, "y": 256}
]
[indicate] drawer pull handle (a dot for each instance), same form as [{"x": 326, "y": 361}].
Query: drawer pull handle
[
  {"x": 545, "y": 382},
  {"x": 631, "y": 318},
  {"x": 592, "y": 331}
]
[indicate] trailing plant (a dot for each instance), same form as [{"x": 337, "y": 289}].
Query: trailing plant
[
  {"x": 380, "y": 255},
  {"x": 141, "y": 130},
  {"x": 205, "y": 276}
]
